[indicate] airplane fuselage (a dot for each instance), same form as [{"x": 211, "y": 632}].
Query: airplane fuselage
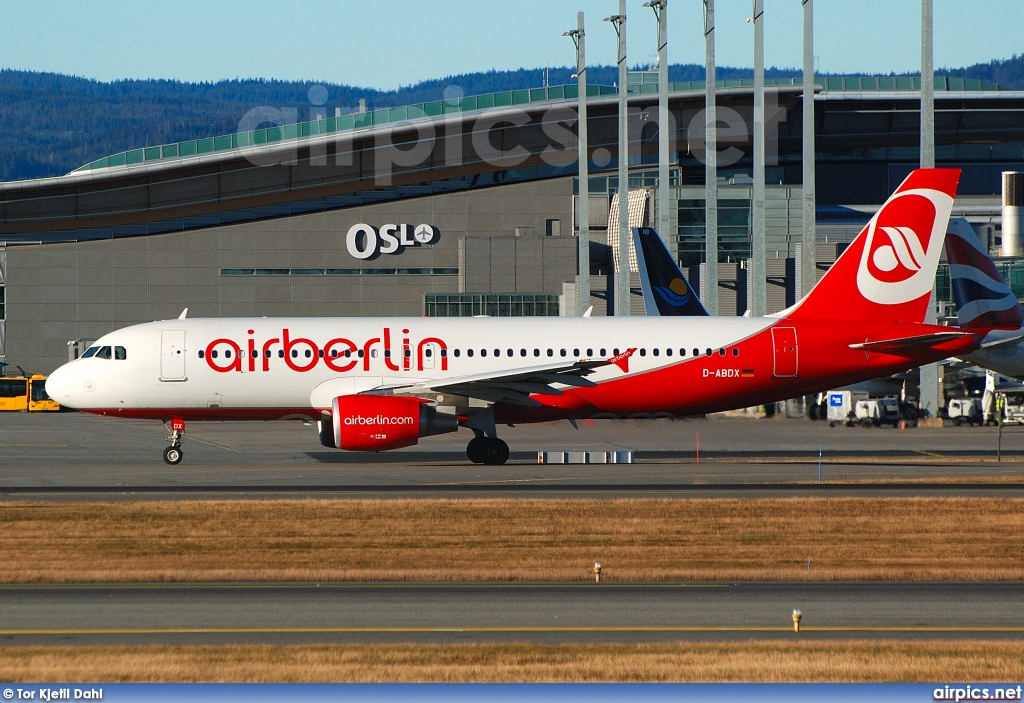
[{"x": 271, "y": 368}]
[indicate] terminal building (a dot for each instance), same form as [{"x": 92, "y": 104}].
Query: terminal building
[{"x": 463, "y": 207}]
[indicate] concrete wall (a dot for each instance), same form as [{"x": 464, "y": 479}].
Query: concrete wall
[
  {"x": 524, "y": 264},
  {"x": 61, "y": 292}
]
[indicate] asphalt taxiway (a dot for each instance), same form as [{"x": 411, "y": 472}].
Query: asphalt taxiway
[
  {"x": 72, "y": 456},
  {"x": 76, "y": 456},
  {"x": 540, "y": 612}
]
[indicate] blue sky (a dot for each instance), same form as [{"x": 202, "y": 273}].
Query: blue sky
[{"x": 389, "y": 43}]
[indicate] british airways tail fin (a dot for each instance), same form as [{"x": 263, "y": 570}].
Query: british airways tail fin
[
  {"x": 888, "y": 271},
  {"x": 983, "y": 300},
  {"x": 666, "y": 292}
]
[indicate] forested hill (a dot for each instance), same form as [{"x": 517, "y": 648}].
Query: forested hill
[
  {"x": 1008, "y": 73},
  {"x": 50, "y": 123}
]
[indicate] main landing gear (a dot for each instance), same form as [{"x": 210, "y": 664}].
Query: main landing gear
[
  {"x": 485, "y": 447},
  {"x": 173, "y": 454},
  {"x": 487, "y": 450}
]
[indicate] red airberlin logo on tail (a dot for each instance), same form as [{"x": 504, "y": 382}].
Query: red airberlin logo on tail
[
  {"x": 901, "y": 258},
  {"x": 898, "y": 251},
  {"x": 903, "y": 247}
]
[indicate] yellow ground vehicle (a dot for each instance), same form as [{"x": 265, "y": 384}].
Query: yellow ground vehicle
[{"x": 26, "y": 394}]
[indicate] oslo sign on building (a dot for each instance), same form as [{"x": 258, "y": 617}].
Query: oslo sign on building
[{"x": 367, "y": 242}]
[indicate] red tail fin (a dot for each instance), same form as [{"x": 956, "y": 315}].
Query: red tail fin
[{"x": 887, "y": 273}]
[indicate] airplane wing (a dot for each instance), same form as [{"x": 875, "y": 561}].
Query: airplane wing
[
  {"x": 895, "y": 346},
  {"x": 516, "y": 386}
]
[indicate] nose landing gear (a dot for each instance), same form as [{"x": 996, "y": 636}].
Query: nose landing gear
[{"x": 173, "y": 453}]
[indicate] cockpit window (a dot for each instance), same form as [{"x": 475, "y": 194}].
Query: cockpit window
[
  {"x": 120, "y": 353},
  {"x": 91, "y": 351},
  {"x": 103, "y": 353}
]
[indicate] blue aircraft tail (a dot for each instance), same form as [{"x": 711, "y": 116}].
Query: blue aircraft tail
[
  {"x": 665, "y": 289},
  {"x": 983, "y": 300}
]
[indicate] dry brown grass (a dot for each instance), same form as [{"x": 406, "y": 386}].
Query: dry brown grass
[
  {"x": 838, "y": 661},
  {"x": 918, "y": 480},
  {"x": 443, "y": 540}
]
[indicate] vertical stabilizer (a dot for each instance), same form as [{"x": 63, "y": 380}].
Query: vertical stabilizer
[
  {"x": 888, "y": 271},
  {"x": 983, "y": 300},
  {"x": 666, "y": 291}
]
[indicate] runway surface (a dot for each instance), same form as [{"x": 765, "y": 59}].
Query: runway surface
[
  {"x": 287, "y": 613},
  {"x": 74, "y": 456}
]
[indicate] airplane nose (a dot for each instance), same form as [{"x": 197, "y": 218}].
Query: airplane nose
[{"x": 58, "y": 385}]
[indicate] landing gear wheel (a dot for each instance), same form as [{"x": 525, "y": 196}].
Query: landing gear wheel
[
  {"x": 494, "y": 452},
  {"x": 474, "y": 450},
  {"x": 172, "y": 455}
]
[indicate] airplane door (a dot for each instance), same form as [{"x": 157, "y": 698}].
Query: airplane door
[
  {"x": 784, "y": 346},
  {"x": 430, "y": 352},
  {"x": 172, "y": 355}
]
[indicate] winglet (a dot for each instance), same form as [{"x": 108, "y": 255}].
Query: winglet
[
  {"x": 184, "y": 314},
  {"x": 622, "y": 360},
  {"x": 589, "y": 310}
]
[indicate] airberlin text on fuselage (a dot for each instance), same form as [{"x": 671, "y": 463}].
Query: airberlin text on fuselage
[{"x": 338, "y": 354}]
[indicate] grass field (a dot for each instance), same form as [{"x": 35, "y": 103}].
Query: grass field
[
  {"x": 831, "y": 661},
  {"x": 511, "y": 540}
]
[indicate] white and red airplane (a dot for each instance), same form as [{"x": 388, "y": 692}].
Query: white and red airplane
[{"x": 382, "y": 383}]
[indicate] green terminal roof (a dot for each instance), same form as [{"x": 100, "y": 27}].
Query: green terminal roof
[{"x": 346, "y": 123}]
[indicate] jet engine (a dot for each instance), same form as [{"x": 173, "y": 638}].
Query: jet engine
[{"x": 381, "y": 422}]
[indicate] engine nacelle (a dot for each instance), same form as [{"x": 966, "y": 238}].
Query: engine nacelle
[
  {"x": 325, "y": 428},
  {"x": 380, "y": 422}
]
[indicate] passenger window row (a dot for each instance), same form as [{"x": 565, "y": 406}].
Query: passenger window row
[
  {"x": 602, "y": 353},
  {"x": 308, "y": 353}
]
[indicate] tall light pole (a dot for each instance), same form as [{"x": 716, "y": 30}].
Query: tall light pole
[
  {"x": 808, "y": 265},
  {"x": 929, "y": 372},
  {"x": 583, "y": 199},
  {"x": 758, "y": 306},
  {"x": 660, "y": 8},
  {"x": 927, "y": 88},
  {"x": 622, "y": 274},
  {"x": 710, "y": 282}
]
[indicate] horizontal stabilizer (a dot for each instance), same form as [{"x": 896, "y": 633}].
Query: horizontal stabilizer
[
  {"x": 910, "y": 344},
  {"x": 1004, "y": 343}
]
